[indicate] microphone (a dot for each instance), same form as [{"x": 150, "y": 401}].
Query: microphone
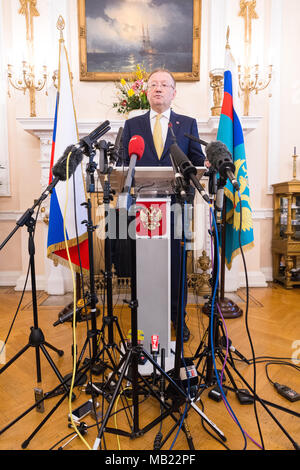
[
  {"x": 170, "y": 126},
  {"x": 224, "y": 342},
  {"x": 69, "y": 312},
  {"x": 196, "y": 139},
  {"x": 136, "y": 149},
  {"x": 88, "y": 141},
  {"x": 220, "y": 158},
  {"x": 179, "y": 183},
  {"x": 188, "y": 171},
  {"x": 114, "y": 154},
  {"x": 102, "y": 147},
  {"x": 212, "y": 149},
  {"x": 118, "y": 140},
  {"x": 59, "y": 170},
  {"x": 219, "y": 204}
]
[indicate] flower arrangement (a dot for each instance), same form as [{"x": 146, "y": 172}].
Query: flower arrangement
[{"x": 132, "y": 94}]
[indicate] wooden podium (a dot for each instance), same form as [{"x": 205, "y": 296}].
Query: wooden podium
[{"x": 153, "y": 254}]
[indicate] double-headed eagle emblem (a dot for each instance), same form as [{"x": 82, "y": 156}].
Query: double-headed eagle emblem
[{"x": 151, "y": 217}]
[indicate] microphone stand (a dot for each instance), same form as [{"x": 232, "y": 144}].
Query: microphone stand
[
  {"x": 216, "y": 186},
  {"x": 215, "y": 322},
  {"x": 180, "y": 188},
  {"x": 130, "y": 360},
  {"x": 36, "y": 338},
  {"x": 109, "y": 320},
  {"x": 228, "y": 308},
  {"x": 216, "y": 325}
]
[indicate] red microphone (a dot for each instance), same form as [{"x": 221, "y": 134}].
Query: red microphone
[{"x": 136, "y": 147}]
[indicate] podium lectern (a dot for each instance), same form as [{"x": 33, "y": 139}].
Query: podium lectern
[
  {"x": 153, "y": 190},
  {"x": 153, "y": 255}
]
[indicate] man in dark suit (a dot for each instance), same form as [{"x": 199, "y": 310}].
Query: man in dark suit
[{"x": 153, "y": 127}]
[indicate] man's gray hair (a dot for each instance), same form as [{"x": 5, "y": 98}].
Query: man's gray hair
[{"x": 163, "y": 70}]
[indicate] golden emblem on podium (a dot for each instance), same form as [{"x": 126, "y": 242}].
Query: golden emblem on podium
[{"x": 151, "y": 217}]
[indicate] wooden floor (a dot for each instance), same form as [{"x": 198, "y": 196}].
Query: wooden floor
[{"x": 273, "y": 321}]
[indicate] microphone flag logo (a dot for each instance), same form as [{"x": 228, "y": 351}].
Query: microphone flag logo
[{"x": 154, "y": 343}]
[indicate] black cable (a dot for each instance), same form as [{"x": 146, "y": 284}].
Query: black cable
[
  {"x": 92, "y": 425},
  {"x": 246, "y": 321},
  {"x": 279, "y": 363},
  {"x": 208, "y": 432},
  {"x": 296, "y": 446},
  {"x": 261, "y": 359}
]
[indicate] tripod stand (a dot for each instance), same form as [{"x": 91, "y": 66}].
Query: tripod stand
[
  {"x": 216, "y": 344},
  {"x": 36, "y": 338},
  {"x": 87, "y": 146},
  {"x": 109, "y": 320}
]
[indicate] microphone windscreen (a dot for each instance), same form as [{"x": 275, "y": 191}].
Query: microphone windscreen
[
  {"x": 217, "y": 153},
  {"x": 60, "y": 168},
  {"x": 119, "y": 139},
  {"x": 136, "y": 146},
  {"x": 182, "y": 161}
]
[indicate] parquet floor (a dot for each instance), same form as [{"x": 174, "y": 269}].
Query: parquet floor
[{"x": 273, "y": 321}]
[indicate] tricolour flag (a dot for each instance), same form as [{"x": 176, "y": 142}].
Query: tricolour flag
[
  {"x": 230, "y": 132},
  {"x": 66, "y": 212}
]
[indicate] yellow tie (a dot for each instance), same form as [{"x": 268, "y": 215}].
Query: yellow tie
[{"x": 157, "y": 136}]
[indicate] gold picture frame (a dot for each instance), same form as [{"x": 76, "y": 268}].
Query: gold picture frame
[{"x": 93, "y": 67}]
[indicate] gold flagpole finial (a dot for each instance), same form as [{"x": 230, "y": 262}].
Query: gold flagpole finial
[
  {"x": 60, "y": 26},
  {"x": 227, "y": 38}
]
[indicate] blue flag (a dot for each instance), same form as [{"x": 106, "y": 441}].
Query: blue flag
[{"x": 230, "y": 132}]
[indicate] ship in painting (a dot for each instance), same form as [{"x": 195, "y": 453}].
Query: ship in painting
[{"x": 146, "y": 43}]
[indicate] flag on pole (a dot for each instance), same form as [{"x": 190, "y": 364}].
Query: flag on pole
[
  {"x": 230, "y": 132},
  {"x": 66, "y": 212}
]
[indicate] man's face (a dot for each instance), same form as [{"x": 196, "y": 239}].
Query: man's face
[{"x": 161, "y": 91}]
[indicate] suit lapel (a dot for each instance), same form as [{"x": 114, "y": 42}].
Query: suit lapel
[
  {"x": 146, "y": 129},
  {"x": 175, "y": 126}
]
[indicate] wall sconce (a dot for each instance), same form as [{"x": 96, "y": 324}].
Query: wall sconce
[
  {"x": 251, "y": 81},
  {"x": 28, "y": 80}
]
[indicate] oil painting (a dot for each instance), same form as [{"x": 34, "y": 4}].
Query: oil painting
[{"x": 116, "y": 35}]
